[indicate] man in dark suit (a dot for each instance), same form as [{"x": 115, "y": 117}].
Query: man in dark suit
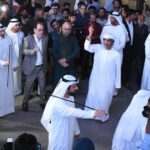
[
  {"x": 65, "y": 50},
  {"x": 127, "y": 52},
  {"x": 141, "y": 33},
  {"x": 35, "y": 62}
]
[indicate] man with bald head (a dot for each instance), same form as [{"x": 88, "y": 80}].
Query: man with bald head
[{"x": 64, "y": 51}]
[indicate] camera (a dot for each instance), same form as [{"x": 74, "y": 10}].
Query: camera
[
  {"x": 4, "y": 8},
  {"x": 146, "y": 111},
  {"x": 38, "y": 147},
  {"x": 9, "y": 144}
]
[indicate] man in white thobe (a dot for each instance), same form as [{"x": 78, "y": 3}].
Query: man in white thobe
[
  {"x": 8, "y": 62},
  {"x": 146, "y": 71},
  {"x": 105, "y": 75},
  {"x": 131, "y": 127},
  {"x": 115, "y": 27},
  {"x": 13, "y": 30},
  {"x": 59, "y": 117}
]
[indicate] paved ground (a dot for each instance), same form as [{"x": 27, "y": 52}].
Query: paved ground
[{"x": 101, "y": 134}]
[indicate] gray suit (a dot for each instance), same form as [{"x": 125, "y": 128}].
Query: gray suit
[{"x": 30, "y": 69}]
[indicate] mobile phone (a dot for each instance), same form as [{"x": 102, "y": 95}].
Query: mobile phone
[{"x": 38, "y": 147}]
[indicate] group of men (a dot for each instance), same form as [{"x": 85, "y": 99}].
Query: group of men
[{"x": 111, "y": 44}]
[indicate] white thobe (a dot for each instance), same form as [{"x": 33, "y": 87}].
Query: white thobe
[
  {"x": 6, "y": 88},
  {"x": 17, "y": 39},
  {"x": 131, "y": 127},
  {"x": 59, "y": 119},
  {"x": 119, "y": 36},
  {"x": 104, "y": 78},
  {"x": 145, "y": 84}
]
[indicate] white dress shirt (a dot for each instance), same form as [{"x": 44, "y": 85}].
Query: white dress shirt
[
  {"x": 130, "y": 25},
  {"x": 39, "y": 60}
]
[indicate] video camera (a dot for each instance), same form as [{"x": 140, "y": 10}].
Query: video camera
[
  {"x": 9, "y": 145},
  {"x": 146, "y": 111}
]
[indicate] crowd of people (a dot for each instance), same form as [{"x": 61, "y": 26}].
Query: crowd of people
[{"x": 107, "y": 44}]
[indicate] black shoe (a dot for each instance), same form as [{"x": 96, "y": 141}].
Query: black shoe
[
  {"x": 25, "y": 107},
  {"x": 42, "y": 106}
]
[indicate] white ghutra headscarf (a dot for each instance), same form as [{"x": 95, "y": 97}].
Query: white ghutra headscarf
[{"x": 59, "y": 91}]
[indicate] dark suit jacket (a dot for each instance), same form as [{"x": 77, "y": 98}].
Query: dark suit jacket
[
  {"x": 30, "y": 59},
  {"x": 128, "y": 44}
]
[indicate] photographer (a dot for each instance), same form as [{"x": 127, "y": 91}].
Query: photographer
[
  {"x": 146, "y": 141},
  {"x": 6, "y": 13}
]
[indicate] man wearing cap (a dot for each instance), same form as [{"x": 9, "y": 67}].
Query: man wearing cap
[
  {"x": 8, "y": 63},
  {"x": 105, "y": 75},
  {"x": 59, "y": 117},
  {"x": 17, "y": 36}
]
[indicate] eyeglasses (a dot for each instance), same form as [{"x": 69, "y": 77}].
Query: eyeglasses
[
  {"x": 67, "y": 29},
  {"x": 55, "y": 8},
  {"x": 82, "y": 8},
  {"x": 40, "y": 30}
]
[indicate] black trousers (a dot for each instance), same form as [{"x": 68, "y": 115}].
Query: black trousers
[
  {"x": 38, "y": 74},
  {"x": 127, "y": 64}
]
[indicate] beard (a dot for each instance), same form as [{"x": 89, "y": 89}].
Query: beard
[
  {"x": 66, "y": 34},
  {"x": 2, "y": 36},
  {"x": 72, "y": 94}
]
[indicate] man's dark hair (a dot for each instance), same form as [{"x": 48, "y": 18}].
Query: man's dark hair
[
  {"x": 38, "y": 9},
  {"x": 130, "y": 12},
  {"x": 83, "y": 144},
  {"x": 66, "y": 4},
  {"x": 25, "y": 142},
  {"x": 65, "y": 9},
  {"x": 138, "y": 11},
  {"x": 73, "y": 14},
  {"x": 102, "y": 8},
  {"x": 38, "y": 21},
  {"x": 55, "y": 5},
  {"x": 54, "y": 20},
  {"x": 119, "y": 1},
  {"x": 47, "y": 8},
  {"x": 92, "y": 7},
  {"x": 81, "y": 4}
]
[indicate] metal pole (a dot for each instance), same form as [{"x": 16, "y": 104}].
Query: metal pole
[
  {"x": 73, "y": 102},
  {"x": 8, "y": 67}
]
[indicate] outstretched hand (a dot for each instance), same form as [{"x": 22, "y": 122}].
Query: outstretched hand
[
  {"x": 100, "y": 113},
  {"x": 6, "y": 63}
]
